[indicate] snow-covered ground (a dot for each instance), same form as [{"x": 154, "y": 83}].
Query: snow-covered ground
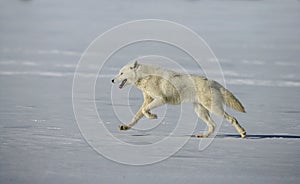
[{"x": 256, "y": 42}]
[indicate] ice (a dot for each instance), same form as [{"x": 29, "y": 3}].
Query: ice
[{"x": 256, "y": 42}]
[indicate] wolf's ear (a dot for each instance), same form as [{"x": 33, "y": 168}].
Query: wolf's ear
[{"x": 135, "y": 65}]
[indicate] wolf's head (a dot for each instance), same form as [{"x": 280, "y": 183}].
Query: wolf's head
[{"x": 127, "y": 75}]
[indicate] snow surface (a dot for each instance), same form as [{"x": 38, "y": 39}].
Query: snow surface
[{"x": 257, "y": 43}]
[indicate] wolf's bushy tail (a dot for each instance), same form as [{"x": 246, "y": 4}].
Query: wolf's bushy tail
[{"x": 231, "y": 101}]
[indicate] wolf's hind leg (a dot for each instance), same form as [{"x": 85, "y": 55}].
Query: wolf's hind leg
[
  {"x": 217, "y": 109},
  {"x": 203, "y": 114},
  {"x": 236, "y": 125}
]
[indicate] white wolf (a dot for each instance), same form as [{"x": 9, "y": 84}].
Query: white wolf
[{"x": 161, "y": 86}]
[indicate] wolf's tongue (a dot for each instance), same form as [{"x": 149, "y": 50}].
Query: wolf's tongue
[{"x": 122, "y": 83}]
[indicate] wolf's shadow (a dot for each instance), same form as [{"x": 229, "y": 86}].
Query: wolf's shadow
[{"x": 259, "y": 136}]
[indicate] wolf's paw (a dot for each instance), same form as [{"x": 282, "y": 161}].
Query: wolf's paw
[
  {"x": 201, "y": 136},
  {"x": 124, "y": 127},
  {"x": 243, "y": 134},
  {"x": 152, "y": 116}
]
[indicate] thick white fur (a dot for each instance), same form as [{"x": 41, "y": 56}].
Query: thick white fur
[{"x": 161, "y": 86}]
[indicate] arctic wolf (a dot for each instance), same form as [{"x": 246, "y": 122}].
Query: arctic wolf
[{"x": 161, "y": 86}]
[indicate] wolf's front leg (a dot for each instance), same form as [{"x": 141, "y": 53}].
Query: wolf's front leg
[
  {"x": 155, "y": 103},
  {"x": 139, "y": 114},
  {"x": 149, "y": 115},
  {"x": 136, "y": 118}
]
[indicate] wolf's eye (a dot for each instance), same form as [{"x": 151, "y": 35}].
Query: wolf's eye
[{"x": 121, "y": 73}]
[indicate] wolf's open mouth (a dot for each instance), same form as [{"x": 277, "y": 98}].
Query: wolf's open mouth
[{"x": 122, "y": 83}]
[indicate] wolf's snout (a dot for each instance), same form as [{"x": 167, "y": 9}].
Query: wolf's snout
[{"x": 113, "y": 81}]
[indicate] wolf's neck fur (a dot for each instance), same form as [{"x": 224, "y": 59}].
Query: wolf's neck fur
[{"x": 153, "y": 70}]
